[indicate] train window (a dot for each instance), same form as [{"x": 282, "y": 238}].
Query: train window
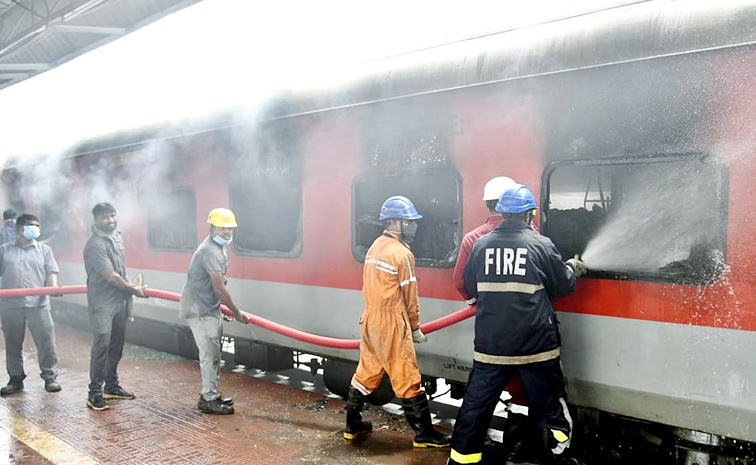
[
  {"x": 53, "y": 225},
  {"x": 437, "y": 195},
  {"x": 657, "y": 218},
  {"x": 172, "y": 220},
  {"x": 265, "y": 191}
]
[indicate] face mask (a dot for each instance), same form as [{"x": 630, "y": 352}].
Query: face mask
[
  {"x": 31, "y": 232},
  {"x": 408, "y": 233},
  {"x": 220, "y": 241}
]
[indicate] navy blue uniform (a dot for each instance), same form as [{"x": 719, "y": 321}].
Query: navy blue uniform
[{"x": 513, "y": 272}]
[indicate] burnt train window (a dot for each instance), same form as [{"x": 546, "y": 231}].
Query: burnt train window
[
  {"x": 265, "y": 191},
  {"x": 656, "y": 218},
  {"x": 436, "y": 195},
  {"x": 53, "y": 225},
  {"x": 172, "y": 220}
]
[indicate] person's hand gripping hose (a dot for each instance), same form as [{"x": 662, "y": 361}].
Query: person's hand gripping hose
[{"x": 578, "y": 266}]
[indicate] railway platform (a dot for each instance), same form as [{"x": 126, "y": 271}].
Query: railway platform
[{"x": 278, "y": 419}]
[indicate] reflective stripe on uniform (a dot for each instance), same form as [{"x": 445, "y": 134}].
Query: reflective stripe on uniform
[
  {"x": 563, "y": 439},
  {"x": 407, "y": 281},
  {"x": 510, "y": 287},
  {"x": 515, "y": 360},
  {"x": 357, "y": 385},
  {"x": 380, "y": 265},
  {"x": 411, "y": 278},
  {"x": 559, "y": 435},
  {"x": 466, "y": 458}
]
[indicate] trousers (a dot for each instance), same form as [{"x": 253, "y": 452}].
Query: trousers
[
  {"x": 42, "y": 329},
  {"x": 546, "y": 395},
  {"x": 386, "y": 347},
  {"x": 208, "y": 331},
  {"x": 108, "y": 338}
]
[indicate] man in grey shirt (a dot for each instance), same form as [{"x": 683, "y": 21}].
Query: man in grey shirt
[
  {"x": 203, "y": 294},
  {"x": 109, "y": 295},
  {"x": 27, "y": 263}
]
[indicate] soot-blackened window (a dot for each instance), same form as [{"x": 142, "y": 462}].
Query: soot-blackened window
[
  {"x": 265, "y": 190},
  {"x": 53, "y": 227},
  {"x": 172, "y": 220},
  {"x": 654, "y": 218},
  {"x": 408, "y": 151},
  {"x": 437, "y": 197}
]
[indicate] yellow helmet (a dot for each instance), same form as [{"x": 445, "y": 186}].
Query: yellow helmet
[{"x": 222, "y": 218}]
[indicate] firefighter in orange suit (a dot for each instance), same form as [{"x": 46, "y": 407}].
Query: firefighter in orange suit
[{"x": 390, "y": 325}]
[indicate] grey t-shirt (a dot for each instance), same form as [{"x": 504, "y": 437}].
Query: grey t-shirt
[
  {"x": 198, "y": 297},
  {"x": 99, "y": 255},
  {"x": 24, "y": 267}
]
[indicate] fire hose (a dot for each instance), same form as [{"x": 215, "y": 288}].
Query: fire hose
[{"x": 431, "y": 326}]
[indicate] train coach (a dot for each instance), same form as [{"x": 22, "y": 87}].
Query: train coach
[{"x": 635, "y": 125}]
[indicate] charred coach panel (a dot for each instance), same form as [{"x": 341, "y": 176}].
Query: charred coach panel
[{"x": 633, "y": 124}]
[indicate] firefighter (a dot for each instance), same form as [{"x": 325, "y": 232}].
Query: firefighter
[
  {"x": 390, "y": 324},
  {"x": 517, "y": 427},
  {"x": 513, "y": 273}
]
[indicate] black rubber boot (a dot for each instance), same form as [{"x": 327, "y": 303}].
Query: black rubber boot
[
  {"x": 418, "y": 416},
  {"x": 548, "y": 442},
  {"x": 521, "y": 438},
  {"x": 354, "y": 424}
]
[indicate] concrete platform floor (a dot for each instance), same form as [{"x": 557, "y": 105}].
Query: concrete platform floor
[{"x": 273, "y": 423}]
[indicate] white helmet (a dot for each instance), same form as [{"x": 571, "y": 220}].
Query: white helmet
[{"x": 496, "y": 186}]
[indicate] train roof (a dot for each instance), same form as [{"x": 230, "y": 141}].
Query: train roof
[{"x": 636, "y": 32}]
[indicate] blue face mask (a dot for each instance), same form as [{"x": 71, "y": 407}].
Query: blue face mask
[
  {"x": 220, "y": 241},
  {"x": 31, "y": 232}
]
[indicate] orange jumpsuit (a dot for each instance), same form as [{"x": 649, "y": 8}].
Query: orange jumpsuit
[{"x": 391, "y": 313}]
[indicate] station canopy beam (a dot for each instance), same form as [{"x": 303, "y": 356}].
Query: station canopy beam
[{"x": 38, "y": 35}]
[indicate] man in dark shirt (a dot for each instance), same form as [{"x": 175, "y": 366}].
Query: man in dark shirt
[
  {"x": 514, "y": 273},
  {"x": 109, "y": 295},
  {"x": 28, "y": 263},
  {"x": 203, "y": 294}
]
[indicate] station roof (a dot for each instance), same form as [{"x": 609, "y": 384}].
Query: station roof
[{"x": 38, "y": 35}]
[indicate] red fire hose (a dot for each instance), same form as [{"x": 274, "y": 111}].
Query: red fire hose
[{"x": 324, "y": 341}]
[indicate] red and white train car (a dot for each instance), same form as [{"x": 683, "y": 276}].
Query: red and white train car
[{"x": 635, "y": 125}]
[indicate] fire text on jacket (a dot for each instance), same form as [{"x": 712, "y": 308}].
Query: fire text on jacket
[{"x": 506, "y": 261}]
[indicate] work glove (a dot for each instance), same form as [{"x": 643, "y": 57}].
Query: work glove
[
  {"x": 418, "y": 336},
  {"x": 578, "y": 266}
]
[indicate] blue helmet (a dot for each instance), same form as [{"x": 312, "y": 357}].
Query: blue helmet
[
  {"x": 400, "y": 208},
  {"x": 516, "y": 199}
]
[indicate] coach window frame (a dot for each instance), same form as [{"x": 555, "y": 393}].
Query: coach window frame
[
  {"x": 722, "y": 208},
  {"x": 407, "y": 185},
  {"x": 187, "y": 216},
  {"x": 240, "y": 199},
  {"x": 48, "y": 211}
]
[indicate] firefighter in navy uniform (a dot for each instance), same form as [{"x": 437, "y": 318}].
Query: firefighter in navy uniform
[
  {"x": 390, "y": 325},
  {"x": 513, "y": 273},
  {"x": 518, "y": 427}
]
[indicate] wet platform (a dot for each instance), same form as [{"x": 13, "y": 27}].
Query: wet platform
[{"x": 279, "y": 419}]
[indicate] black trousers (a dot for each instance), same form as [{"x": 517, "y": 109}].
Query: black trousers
[
  {"x": 108, "y": 339},
  {"x": 544, "y": 388}
]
